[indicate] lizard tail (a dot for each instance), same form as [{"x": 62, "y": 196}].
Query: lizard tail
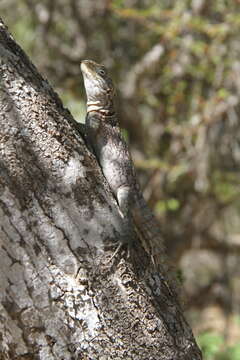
[
  {"x": 148, "y": 227},
  {"x": 152, "y": 240}
]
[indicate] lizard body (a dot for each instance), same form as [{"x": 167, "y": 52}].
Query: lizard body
[{"x": 104, "y": 136}]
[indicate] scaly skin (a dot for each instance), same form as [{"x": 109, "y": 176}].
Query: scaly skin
[{"x": 104, "y": 136}]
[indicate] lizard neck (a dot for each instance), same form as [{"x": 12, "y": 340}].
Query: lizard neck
[
  {"x": 103, "y": 103},
  {"x": 104, "y": 107},
  {"x": 106, "y": 116},
  {"x": 96, "y": 106}
]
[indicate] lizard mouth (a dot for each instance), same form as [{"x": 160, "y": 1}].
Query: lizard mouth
[
  {"x": 88, "y": 68},
  {"x": 84, "y": 67}
]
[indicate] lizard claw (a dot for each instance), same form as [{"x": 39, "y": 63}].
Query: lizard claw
[{"x": 117, "y": 251}]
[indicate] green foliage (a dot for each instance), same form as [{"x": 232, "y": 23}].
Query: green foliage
[
  {"x": 212, "y": 347},
  {"x": 230, "y": 353},
  {"x": 210, "y": 344},
  {"x": 23, "y": 29},
  {"x": 237, "y": 319},
  {"x": 226, "y": 186},
  {"x": 125, "y": 135},
  {"x": 167, "y": 205}
]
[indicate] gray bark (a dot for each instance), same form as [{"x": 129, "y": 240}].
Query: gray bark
[{"x": 60, "y": 296}]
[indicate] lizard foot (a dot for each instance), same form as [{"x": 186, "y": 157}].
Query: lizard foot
[{"x": 117, "y": 251}]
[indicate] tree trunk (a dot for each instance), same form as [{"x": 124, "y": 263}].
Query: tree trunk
[{"x": 62, "y": 296}]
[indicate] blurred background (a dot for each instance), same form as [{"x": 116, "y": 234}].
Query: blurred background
[{"x": 176, "y": 67}]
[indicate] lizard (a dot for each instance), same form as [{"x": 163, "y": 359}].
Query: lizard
[{"x": 103, "y": 134}]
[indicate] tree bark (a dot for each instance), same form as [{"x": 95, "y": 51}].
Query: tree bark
[{"x": 62, "y": 296}]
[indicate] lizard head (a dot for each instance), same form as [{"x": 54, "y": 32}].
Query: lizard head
[{"x": 98, "y": 85}]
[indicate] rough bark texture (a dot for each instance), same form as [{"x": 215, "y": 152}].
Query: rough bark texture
[{"x": 60, "y": 296}]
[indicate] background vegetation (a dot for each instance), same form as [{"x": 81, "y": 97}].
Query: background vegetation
[{"x": 176, "y": 65}]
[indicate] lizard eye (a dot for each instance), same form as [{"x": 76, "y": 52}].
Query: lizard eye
[{"x": 101, "y": 72}]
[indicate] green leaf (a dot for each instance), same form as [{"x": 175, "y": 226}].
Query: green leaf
[
  {"x": 210, "y": 343},
  {"x": 163, "y": 206},
  {"x": 173, "y": 204}
]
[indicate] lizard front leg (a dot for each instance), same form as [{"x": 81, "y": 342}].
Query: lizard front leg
[{"x": 124, "y": 200}]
